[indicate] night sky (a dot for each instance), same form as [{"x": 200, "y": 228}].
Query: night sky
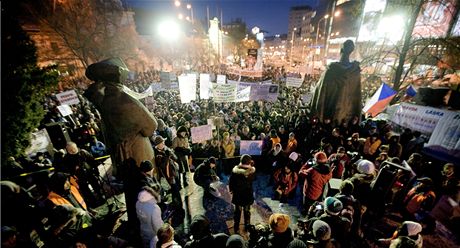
[{"x": 269, "y": 15}]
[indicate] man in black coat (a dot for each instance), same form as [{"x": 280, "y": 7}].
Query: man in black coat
[
  {"x": 205, "y": 174},
  {"x": 240, "y": 184}
]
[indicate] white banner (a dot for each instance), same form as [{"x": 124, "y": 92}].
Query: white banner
[
  {"x": 39, "y": 142},
  {"x": 205, "y": 86},
  {"x": 221, "y": 79},
  {"x": 156, "y": 87},
  {"x": 294, "y": 82},
  {"x": 165, "y": 79},
  {"x": 65, "y": 110},
  {"x": 419, "y": 118},
  {"x": 69, "y": 97},
  {"x": 138, "y": 96},
  {"x": 251, "y": 147},
  {"x": 201, "y": 133},
  {"x": 446, "y": 136},
  {"x": 243, "y": 93},
  {"x": 267, "y": 92},
  {"x": 224, "y": 92},
  {"x": 187, "y": 88}
]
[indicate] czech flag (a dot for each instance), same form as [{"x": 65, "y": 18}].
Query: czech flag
[
  {"x": 410, "y": 91},
  {"x": 378, "y": 102}
]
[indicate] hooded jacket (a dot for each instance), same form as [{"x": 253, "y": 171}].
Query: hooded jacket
[
  {"x": 149, "y": 215},
  {"x": 315, "y": 179},
  {"x": 240, "y": 184}
]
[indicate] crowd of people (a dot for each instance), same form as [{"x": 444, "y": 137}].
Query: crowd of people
[{"x": 344, "y": 176}]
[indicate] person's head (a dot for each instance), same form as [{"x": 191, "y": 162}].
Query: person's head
[
  {"x": 278, "y": 147},
  {"x": 297, "y": 243},
  {"x": 366, "y": 167},
  {"x": 199, "y": 227},
  {"x": 71, "y": 148},
  {"x": 320, "y": 158},
  {"x": 246, "y": 159},
  {"x": 347, "y": 47},
  {"x": 321, "y": 230},
  {"x": 332, "y": 206},
  {"x": 146, "y": 167},
  {"x": 182, "y": 132},
  {"x": 287, "y": 168},
  {"x": 212, "y": 162},
  {"x": 448, "y": 170},
  {"x": 8, "y": 237},
  {"x": 346, "y": 187},
  {"x": 291, "y": 136},
  {"x": 336, "y": 132},
  {"x": 293, "y": 156},
  {"x": 236, "y": 241},
  {"x": 341, "y": 151},
  {"x": 59, "y": 183},
  {"x": 410, "y": 228},
  {"x": 159, "y": 142},
  {"x": 355, "y": 137},
  {"x": 279, "y": 223},
  {"x": 165, "y": 234}
]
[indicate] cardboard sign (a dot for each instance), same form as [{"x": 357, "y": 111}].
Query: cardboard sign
[
  {"x": 69, "y": 97},
  {"x": 65, "y": 110},
  {"x": 251, "y": 147},
  {"x": 201, "y": 133}
]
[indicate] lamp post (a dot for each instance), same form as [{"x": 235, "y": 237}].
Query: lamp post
[
  {"x": 189, "y": 6},
  {"x": 292, "y": 43}
]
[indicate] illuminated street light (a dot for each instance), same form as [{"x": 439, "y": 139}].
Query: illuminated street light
[
  {"x": 337, "y": 13},
  {"x": 177, "y": 3},
  {"x": 255, "y": 30},
  {"x": 187, "y": 18},
  {"x": 180, "y": 16},
  {"x": 168, "y": 30},
  {"x": 390, "y": 27},
  {"x": 189, "y": 6}
]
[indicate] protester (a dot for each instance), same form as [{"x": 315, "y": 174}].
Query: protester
[
  {"x": 205, "y": 174},
  {"x": 281, "y": 234},
  {"x": 149, "y": 214}
]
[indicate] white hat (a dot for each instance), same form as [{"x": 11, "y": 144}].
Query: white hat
[
  {"x": 294, "y": 156},
  {"x": 366, "y": 167}
]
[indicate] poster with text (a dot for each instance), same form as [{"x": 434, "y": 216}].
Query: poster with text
[
  {"x": 201, "y": 133},
  {"x": 251, "y": 147}
]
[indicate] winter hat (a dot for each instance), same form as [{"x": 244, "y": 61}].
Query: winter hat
[
  {"x": 346, "y": 187},
  {"x": 199, "y": 227},
  {"x": 245, "y": 159},
  {"x": 297, "y": 243},
  {"x": 410, "y": 228},
  {"x": 279, "y": 222},
  {"x": 321, "y": 157},
  {"x": 236, "y": 241},
  {"x": 294, "y": 156},
  {"x": 158, "y": 140},
  {"x": 366, "y": 167},
  {"x": 161, "y": 125},
  {"x": 212, "y": 160},
  {"x": 146, "y": 166},
  {"x": 321, "y": 230},
  {"x": 333, "y": 205}
]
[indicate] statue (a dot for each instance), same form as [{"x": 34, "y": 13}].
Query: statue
[
  {"x": 338, "y": 93},
  {"x": 127, "y": 124}
]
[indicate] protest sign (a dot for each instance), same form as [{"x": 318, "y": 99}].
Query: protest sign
[
  {"x": 165, "y": 80},
  {"x": 243, "y": 94},
  {"x": 446, "y": 136},
  {"x": 156, "y": 87},
  {"x": 306, "y": 98},
  {"x": 65, "y": 110},
  {"x": 201, "y": 133},
  {"x": 39, "y": 142},
  {"x": 205, "y": 86},
  {"x": 224, "y": 92},
  {"x": 294, "y": 82},
  {"x": 221, "y": 79},
  {"x": 267, "y": 92},
  {"x": 187, "y": 88},
  {"x": 69, "y": 97},
  {"x": 251, "y": 147}
]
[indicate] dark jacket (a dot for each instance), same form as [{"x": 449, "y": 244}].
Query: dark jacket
[
  {"x": 240, "y": 184},
  {"x": 212, "y": 240},
  {"x": 276, "y": 240},
  {"x": 204, "y": 175},
  {"x": 340, "y": 226}
]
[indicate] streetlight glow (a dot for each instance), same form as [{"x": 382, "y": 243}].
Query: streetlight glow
[
  {"x": 337, "y": 13},
  {"x": 180, "y": 16},
  {"x": 189, "y": 6},
  {"x": 177, "y": 3},
  {"x": 168, "y": 30}
]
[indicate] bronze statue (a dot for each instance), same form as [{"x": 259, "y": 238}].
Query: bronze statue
[
  {"x": 338, "y": 93},
  {"x": 127, "y": 124}
]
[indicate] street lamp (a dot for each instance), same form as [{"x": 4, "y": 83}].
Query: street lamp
[
  {"x": 189, "y": 6},
  {"x": 177, "y": 3},
  {"x": 317, "y": 28},
  {"x": 292, "y": 42}
]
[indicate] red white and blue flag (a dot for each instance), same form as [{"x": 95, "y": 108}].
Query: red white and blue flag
[{"x": 379, "y": 101}]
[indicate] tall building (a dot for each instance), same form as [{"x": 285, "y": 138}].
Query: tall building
[{"x": 299, "y": 33}]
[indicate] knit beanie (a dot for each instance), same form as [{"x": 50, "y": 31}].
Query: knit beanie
[
  {"x": 297, "y": 243},
  {"x": 321, "y": 230},
  {"x": 410, "y": 228},
  {"x": 333, "y": 205},
  {"x": 236, "y": 241},
  {"x": 294, "y": 156},
  {"x": 279, "y": 222},
  {"x": 321, "y": 157},
  {"x": 366, "y": 167}
]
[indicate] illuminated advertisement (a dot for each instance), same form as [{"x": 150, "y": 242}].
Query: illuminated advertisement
[
  {"x": 372, "y": 14},
  {"x": 434, "y": 19}
]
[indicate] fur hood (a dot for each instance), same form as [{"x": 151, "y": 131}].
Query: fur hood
[{"x": 244, "y": 169}]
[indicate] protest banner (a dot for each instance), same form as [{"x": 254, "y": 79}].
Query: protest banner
[
  {"x": 69, "y": 97},
  {"x": 187, "y": 88},
  {"x": 419, "y": 118},
  {"x": 224, "y": 92},
  {"x": 201, "y": 133},
  {"x": 205, "y": 86},
  {"x": 65, "y": 110},
  {"x": 245, "y": 72},
  {"x": 243, "y": 93},
  {"x": 39, "y": 142},
  {"x": 251, "y": 147},
  {"x": 221, "y": 79},
  {"x": 165, "y": 80},
  {"x": 446, "y": 136},
  {"x": 293, "y": 82},
  {"x": 156, "y": 87},
  {"x": 267, "y": 92}
]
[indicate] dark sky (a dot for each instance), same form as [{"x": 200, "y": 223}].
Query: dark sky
[{"x": 269, "y": 15}]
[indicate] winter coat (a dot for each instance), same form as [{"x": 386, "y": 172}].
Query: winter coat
[
  {"x": 315, "y": 179},
  {"x": 286, "y": 182},
  {"x": 229, "y": 149},
  {"x": 213, "y": 240},
  {"x": 240, "y": 184},
  {"x": 362, "y": 187},
  {"x": 166, "y": 165},
  {"x": 204, "y": 175},
  {"x": 340, "y": 226},
  {"x": 182, "y": 148},
  {"x": 276, "y": 240},
  {"x": 149, "y": 215}
]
